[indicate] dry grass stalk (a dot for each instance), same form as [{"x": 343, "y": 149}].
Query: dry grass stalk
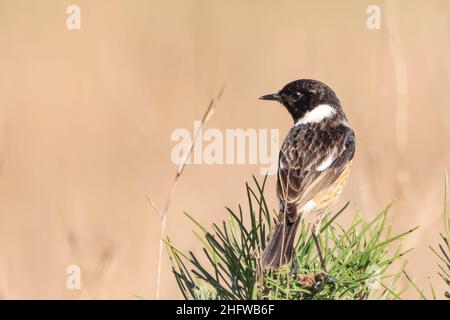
[{"x": 163, "y": 213}]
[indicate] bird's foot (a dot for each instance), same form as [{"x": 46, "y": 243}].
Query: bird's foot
[
  {"x": 330, "y": 279},
  {"x": 294, "y": 268}
]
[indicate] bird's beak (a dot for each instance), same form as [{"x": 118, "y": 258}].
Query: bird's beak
[{"x": 273, "y": 96}]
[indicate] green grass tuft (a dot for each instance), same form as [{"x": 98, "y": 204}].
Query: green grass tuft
[
  {"x": 444, "y": 247},
  {"x": 357, "y": 258}
]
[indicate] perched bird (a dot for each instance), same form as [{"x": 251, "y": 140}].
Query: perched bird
[{"x": 313, "y": 166}]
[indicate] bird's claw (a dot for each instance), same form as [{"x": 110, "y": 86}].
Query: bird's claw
[
  {"x": 294, "y": 268},
  {"x": 330, "y": 279}
]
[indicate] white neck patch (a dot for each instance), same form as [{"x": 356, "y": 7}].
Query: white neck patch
[{"x": 317, "y": 114}]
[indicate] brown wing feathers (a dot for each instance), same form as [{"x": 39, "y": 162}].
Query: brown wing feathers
[{"x": 302, "y": 155}]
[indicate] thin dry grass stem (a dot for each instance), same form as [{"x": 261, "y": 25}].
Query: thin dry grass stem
[
  {"x": 154, "y": 206},
  {"x": 401, "y": 106},
  {"x": 401, "y": 75},
  {"x": 163, "y": 213}
]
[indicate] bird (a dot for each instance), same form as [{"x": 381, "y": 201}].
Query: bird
[{"x": 313, "y": 166}]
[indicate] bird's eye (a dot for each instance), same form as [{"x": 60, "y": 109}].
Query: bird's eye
[{"x": 295, "y": 96}]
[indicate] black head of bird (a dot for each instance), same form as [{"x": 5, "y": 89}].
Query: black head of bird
[{"x": 302, "y": 96}]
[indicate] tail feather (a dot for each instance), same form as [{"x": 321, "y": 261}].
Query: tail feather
[{"x": 280, "y": 249}]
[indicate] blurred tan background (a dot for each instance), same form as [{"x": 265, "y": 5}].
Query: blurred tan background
[{"x": 86, "y": 117}]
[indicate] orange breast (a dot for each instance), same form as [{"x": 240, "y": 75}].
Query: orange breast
[{"x": 328, "y": 196}]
